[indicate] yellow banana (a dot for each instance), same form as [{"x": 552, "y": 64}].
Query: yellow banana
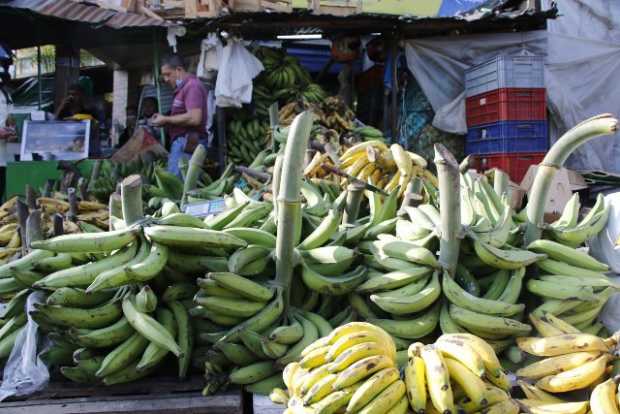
[
  {"x": 555, "y": 365},
  {"x": 603, "y": 398},
  {"x": 362, "y": 369},
  {"x": 354, "y": 354},
  {"x": 415, "y": 379},
  {"x": 388, "y": 398},
  {"x": 561, "y": 408},
  {"x": 534, "y": 393},
  {"x": 576, "y": 378},
  {"x": 562, "y": 344},
  {"x": 371, "y": 388},
  {"x": 437, "y": 380},
  {"x": 473, "y": 386}
]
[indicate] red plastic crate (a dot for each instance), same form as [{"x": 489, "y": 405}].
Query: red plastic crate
[
  {"x": 507, "y": 104},
  {"x": 514, "y": 164}
]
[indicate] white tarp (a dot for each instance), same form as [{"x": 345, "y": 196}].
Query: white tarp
[{"x": 583, "y": 58}]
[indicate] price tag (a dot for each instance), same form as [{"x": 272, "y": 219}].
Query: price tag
[{"x": 205, "y": 208}]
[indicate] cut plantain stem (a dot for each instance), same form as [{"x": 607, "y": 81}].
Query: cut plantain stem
[
  {"x": 604, "y": 124},
  {"x": 34, "y": 231},
  {"x": 193, "y": 171},
  {"x": 115, "y": 206},
  {"x": 355, "y": 193},
  {"x": 73, "y": 204},
  {"x": 449, "y": 207},
  {"x": 500, "y": 182},
  {"x": 465, "y": 164},
  {"x": 275, "y": 184},
  {"x": 289, "y": 202},
  {"x": 58, "y": 225},
  {"x": 131, "y": 199}
]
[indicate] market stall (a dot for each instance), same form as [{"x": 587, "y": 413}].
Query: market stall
[{"x": 331, "y": 266}]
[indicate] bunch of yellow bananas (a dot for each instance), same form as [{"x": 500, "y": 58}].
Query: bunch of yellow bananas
[
  {"x": 569, "y": 368},
  {"x": 353, "y": 369},
  {"x": 569, "y": 361},
  {"x": 458, "y": 373},
  {"x": 385, "y": 167}
]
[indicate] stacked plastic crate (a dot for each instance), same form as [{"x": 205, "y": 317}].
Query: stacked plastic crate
[{"x": 506, "y": 114}]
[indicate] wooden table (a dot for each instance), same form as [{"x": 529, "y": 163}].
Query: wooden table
[{"x": 149, "y": 396}]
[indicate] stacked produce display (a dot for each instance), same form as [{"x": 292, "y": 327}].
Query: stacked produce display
[{"x": 336, "y": 272}]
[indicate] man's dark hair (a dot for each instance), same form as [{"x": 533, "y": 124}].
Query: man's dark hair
[{"x": 174, "y": 61}]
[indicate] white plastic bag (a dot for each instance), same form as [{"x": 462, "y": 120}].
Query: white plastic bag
[
  {"x": 602, "y": 247},
  {"x": 24, "y": 372},
  {"x": 210, "y": 55},
  {"x": 238, "y": 67}
]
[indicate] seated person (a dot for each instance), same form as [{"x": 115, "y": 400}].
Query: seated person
[{"x": 74, "y": 106}]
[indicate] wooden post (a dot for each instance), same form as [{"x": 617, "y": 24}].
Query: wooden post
[
  {"x": 394, "y": 103},
  {"x": 67, "y": 71},
  {"x": 221, "y": 139}
]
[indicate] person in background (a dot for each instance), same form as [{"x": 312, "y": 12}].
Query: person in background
[
  {"x": 74, "y": 105},
  {"x": 149, "y": 108},
  {"x": 187, "y": 123}
]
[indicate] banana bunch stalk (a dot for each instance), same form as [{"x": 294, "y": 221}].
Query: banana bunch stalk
[
  {"x": 353, "y": 369},
  {"x": 458, "y": 373}
]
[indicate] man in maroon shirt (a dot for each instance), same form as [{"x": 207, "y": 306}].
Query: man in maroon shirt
[{"x": 187, "y": 122}]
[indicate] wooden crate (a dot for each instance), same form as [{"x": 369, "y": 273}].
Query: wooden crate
[
  {"x": 190, "y": 9},
  {"x": 336, "y": 7},
  {"x": 149, "y": 396},
  {"x": 254, "y": 6}
]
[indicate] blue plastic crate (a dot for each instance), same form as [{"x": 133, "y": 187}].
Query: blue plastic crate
[
  {"x": 508, "y": 137},
  {"x": 521, "y": 71}
]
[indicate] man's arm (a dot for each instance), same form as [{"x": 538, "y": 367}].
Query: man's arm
[{"x": 191, "y": 118}]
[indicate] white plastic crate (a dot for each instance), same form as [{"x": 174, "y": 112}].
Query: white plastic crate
[{"x": 523, "y": 71}]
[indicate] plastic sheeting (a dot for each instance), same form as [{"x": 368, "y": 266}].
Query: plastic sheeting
[
  {"x": 582, "y": 48},
  {"x": 24, "y": 372},
  {"x": 581, "y": 74}
]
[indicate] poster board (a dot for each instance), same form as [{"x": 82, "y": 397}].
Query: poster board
[{"x": 55, "y": 140}]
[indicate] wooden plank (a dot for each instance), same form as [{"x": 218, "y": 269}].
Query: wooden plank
[
  {"x": 191, "y": 9},
  {"x": 183, "y": 403},
  {"x": 68, "y": 389},
  {"x": 264, "y": 405}
]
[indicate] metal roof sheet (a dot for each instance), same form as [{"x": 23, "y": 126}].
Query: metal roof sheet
[{"x": 84, "y": 13}]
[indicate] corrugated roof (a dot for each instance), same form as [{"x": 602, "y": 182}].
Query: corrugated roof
[{"x": 84, "y": 13}]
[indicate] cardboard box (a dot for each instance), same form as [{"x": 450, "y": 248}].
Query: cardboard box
[{"x": 564, "y": 184}]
